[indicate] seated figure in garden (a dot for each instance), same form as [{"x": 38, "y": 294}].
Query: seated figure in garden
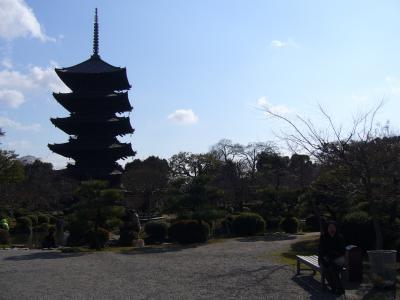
[{"x": 331, "y": 256}]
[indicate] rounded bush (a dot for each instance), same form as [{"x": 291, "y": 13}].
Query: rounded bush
[
  {"x": 189, "y": 231},
  {"x": 97, "y": 239},
  {"x": 34, "y": 219},
  {"x": 77, "y": 230},
  {"x": 247, "y": 224},
  {"x": 4, "y": 236},
  {"x": 273, "y": 223},
  {"x": 357, "y": 229},
  {"x": 290, "y": 225},
  {"x": 397, "y": 247},
  {"x": 52, "y": 220},
  {"x": 43, "y": 219},
  {"x": 114, "y": 223},
  {"x": 20, "y": 212},
  {"x": 24, "y": 225},
  {"x": 41, "y": 227},
  {"x": 127, "y": 236},
  {"x": 156, "y": 231},
  {"x": 312, "y": 224}
]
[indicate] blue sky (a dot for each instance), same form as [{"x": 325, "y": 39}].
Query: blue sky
[{"x": 201, "y": 69}]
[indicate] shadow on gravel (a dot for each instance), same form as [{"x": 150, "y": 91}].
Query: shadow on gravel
[
  {"x": 312, "y": 286},
  {"x": 354, "y": 291},
  {"x": 43, "y": 255},
  {"x": 160, "y": 249},
  {"x": 269, "y": 237}
]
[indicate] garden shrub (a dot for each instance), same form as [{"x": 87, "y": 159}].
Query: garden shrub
[
  {"x": 43, "y": 219},
  {"x": 34, "y": 219},
  {"x": 114, "y": 223},
  {"x": 41, "y": 227},
  {"x": 226, "y": 225},
  {"x": 126, "y": 237},
  {"x": 290, "y": 225},
  {"x": 357, "y": 229},
  {"x": 397, "y": 247},
  {"x": 97, "y": 239},
  {"x": 77, "y": 231},
  {"x": 312, "y": 224},
  {"x": 156, "y": 231},
  {"x": 247, "y": 224},
  {"x": 130, "y": 228},
  {"x": 189, "y": 231},
  {"x": 52, "y": 220},
  {"x": 273, "y": 223},
  {"x": 4, "y": 236},
  {"x": 20, "y": 212},
  {"x": 24, "y": 225}
]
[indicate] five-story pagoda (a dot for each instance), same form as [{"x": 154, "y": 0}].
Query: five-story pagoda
[{"x": 99, "y": 92}]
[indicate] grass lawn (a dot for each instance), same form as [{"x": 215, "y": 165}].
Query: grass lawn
[{"x": 306, "y": 246}]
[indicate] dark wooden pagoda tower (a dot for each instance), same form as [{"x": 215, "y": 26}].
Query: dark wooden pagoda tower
[{"x": 99, "y": 92}]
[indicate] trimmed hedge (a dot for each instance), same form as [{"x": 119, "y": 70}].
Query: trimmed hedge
[
  {"x": 189, "y": 231},
  {"x": 77, "y": 230},
  {"x": 156, "y": 231},
  {"x": 24, "y": 225},
  {"x": 34, "y": 219},
  {"x": 114, "y": 223},
  {"x": 290, "y": 225},
  {"x": 312, "y": 224},
  {"x": 97, "y": 239},
  {"x": 126, "y": 237},
  {"x": 248, "y": 224},
  {"x": 273, "y": 223},
  {"x": 4, "y": 236},
  {"x": 357, "y": 229},
  {"x": 43, "y": 219},
  {"x": 42, "y": 227}
]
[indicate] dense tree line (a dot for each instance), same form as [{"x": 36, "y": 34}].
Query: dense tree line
[{"x": 353, "y": 179}]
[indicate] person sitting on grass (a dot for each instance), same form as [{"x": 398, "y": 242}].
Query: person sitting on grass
[{"x": 331, "y": 257}]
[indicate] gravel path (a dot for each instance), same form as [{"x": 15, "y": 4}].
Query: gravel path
[{"x": 230, "y": 269}]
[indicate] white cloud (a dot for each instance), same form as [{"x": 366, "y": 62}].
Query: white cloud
[
  {"x": 6, "y": 122},
  {"x": 359, "y": 99},
  {"x": 17, "y": 19},
  {"x": 278, "y": 44},
  {"x": 282, "y": 44},
  {"x": 58, "y": 161},
  {"x": 6, "y": 62},
  {"x": 265, "y": 104},
  {"x": 393, "y": 86},
  {"x": 184, "y": 116},
  {"x": 14, "y": 84},
  {"x": 11, "y": 98},
  {"x": 47, "y": 78},
  {"x": 22, "y": 144}
]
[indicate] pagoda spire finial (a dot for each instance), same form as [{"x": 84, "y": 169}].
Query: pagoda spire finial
[{"x": 96, "y": 35}]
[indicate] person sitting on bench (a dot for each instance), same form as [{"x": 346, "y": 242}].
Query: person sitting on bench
[{"x": 331, "y": 257}]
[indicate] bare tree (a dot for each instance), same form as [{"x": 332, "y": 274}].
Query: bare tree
[
  {"x": 226, "y": 150},
  {"x": 368, "y": 155},
  {"x": 250, "y": 154}
]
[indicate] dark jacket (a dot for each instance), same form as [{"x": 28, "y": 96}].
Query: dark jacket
[{"x": 330, "y": 247}]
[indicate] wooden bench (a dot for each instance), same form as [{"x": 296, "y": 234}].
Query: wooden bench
[{"x": 312, "y": 262}]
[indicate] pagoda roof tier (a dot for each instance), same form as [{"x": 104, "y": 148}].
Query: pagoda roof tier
[
  {"x": 111, "y": 102},
  {"x": 92, "y": 125},
  {"x": 77, "y": 150},
  {"x": 85, "y": 172},
  {"x": 94, "y": 74}
]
